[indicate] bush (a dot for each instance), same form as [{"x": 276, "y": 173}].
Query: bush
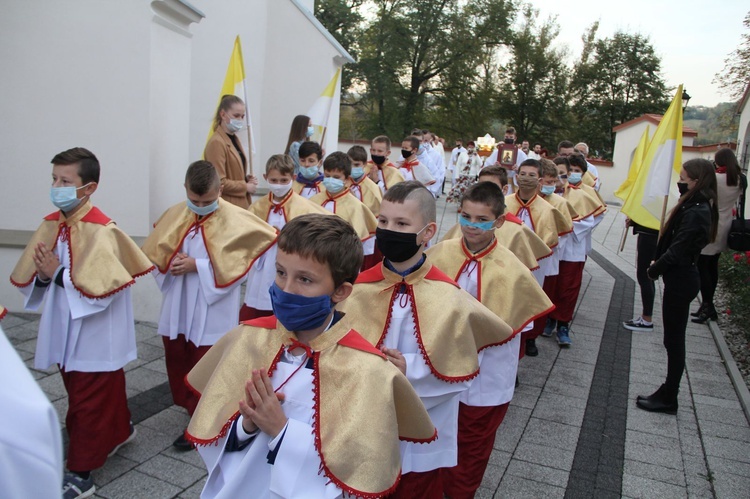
[{"x": 734, "y": 282}]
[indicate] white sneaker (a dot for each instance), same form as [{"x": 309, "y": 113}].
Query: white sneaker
[{"x": 638, "y": 324}]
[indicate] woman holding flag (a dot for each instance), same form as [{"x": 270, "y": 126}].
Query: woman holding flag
[
  {"x": 690, "y": 227},
  {"x": 224, "y": 150}
]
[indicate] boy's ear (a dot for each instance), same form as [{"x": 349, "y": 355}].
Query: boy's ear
[
  {"x": 429, "y": 232},
  {"x": 90, "y": 189},
  {"x": 500, "y": 221},
  {"x": 505, "y": 190},
  {"x": 342, "y": 292}
]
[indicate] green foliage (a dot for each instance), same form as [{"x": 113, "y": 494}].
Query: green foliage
[
  {"x": 616, "y": 80},
  {"x": 734, "y": 282},
  {"x": 342, "y": 18},
  {"x": 714, "y": 124},
  {"x": 735, "y": 76}
]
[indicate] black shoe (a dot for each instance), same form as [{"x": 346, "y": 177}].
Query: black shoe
[
  {"x": 531, "y": 349},
  {"x": 517, "y": 383},
  {"x": 707, "y": 313},
  {"x": 182, "y": 444},
  {"x": 699, "y": 311},
  {"x": 658, "y": 402}
]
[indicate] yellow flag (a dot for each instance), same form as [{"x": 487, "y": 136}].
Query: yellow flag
[
  {"x": 234, "y": 84},
  {"x": 623, "y": 191},
  {"x": 661, "y": 165},
  {"x": 321, "y": 109}
]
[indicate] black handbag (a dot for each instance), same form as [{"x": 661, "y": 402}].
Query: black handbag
[{"x": 739, "y": 233}]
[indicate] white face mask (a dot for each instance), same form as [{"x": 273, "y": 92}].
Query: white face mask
[
  {"x": 280, "y": 190},
  {"x": 235, "y": 125}
]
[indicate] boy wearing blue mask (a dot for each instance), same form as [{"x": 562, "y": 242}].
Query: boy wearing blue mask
[
  {"x": 202, "y": 249},
  {"x": 280, "y": 206},
  {"x": 84, "y": 265},
  {"x": 426, "y": 325},
  {"x": 493, "y": 275},
  {"x": 300, "y": 404},
  {"x": 360, "y": 184},
  {"x": 309, "y": 180},
  {"x": 339, "y": 200}
]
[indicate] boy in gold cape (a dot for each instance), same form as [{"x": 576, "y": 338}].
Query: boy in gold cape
[{"x": 299, "y": 404}]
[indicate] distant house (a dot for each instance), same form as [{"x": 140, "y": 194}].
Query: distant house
[
  {"x": 627, "y": 136},
  {"x": 138, "y": 82}
]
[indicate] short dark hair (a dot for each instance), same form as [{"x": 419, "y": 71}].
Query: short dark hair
[
  {"x": 577, "y": 159},
  {"x": 308, "y": 148},
  {"x": 201, "y": 177},
  {"x": 411, "y": 189},
  {"x": 329, "y": 240},
  {"x": 357, "y": 153},
  {"x": 566, "y": 144},
  {"x": 548, "y": 168},
  {"x": 383, "y": 139},
  {"x": 338, "y": 161},
  {"x": 88, "y": 165},
  {"x": 417, "y": 132},
  {"x": 562, "y": 160},
  {"x": 488, "y": 194},
  {"x": 495, "y": 171},
  {"x": 510, "y": 130},
  {"x": 414, "y": 141},
  {"x": 531, "y": 162},
  {"x": 282, "y": 163}
]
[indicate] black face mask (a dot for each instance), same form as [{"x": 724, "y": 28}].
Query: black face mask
[
  {"x": 682, "y": 187},
  {"x": 508, "y": 141},
  {"x": 378, "y": 160},
  {"x": 406, "y": 154},
  {"x": 397, "y": 246}
]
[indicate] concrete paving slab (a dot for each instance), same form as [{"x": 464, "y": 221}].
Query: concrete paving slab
[
  {"x": 636, "y": 486},
  {"x": 136, "y": 484},
  {"x": 173, "y": 471}
]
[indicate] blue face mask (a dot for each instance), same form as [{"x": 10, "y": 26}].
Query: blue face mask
[
  {"x": 65, "y": 198},
  {"x": 421, "y": 149},
  {"x": 297, "y": 312},
  {"x": 547, "y": 189},
  {"x": 575, "y": 177},
  {"x": 333, "y": 184},
  {"x": 310, "y": 131},
  {"x": 309, "y": 172},
  {"x": 235, "y": 125},
  {"x": 202, "y": 211},
  {"x": 358, "y": 172},
  {"x": 486, "y": 226}
]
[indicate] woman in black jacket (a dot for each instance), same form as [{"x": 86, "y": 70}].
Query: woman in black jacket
[{"x": 691, "y": 226}]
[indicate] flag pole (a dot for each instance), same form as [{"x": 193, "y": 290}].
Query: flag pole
[
  {"x": 663, "y": 215},
  {"x": 623, "y": 238}
]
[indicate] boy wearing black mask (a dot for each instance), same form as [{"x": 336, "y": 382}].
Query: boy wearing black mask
[
  {"x": 412, "y": 309},
  {"x": 380, "y": 169},
  {"x": 410, "y": 167}
]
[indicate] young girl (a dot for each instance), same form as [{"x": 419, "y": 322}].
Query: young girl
[
  {"x": 300, "y": 131},
  {"x": 691, "y": 226}
]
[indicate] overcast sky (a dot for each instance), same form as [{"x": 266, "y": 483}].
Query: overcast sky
[{"x": 692, "y": 36}]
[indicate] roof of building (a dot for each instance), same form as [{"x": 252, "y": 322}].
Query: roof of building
[
  {"x": 654, "y": 119},
  {"x": 347, "y": 58}
]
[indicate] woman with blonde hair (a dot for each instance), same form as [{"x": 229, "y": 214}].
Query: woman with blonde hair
[{"x": 226, "y": 153}]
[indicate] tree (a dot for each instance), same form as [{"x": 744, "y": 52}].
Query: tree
[
  {"x": 617, "y": 80},
  {"x": 342, "y": 18},
  {"x": 414, "y": 52},
  {"x": 535, "y": 81},
  {"x": 735, "y": 76}
]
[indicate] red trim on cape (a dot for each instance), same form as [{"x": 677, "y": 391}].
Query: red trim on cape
[
  {"x": 435, "y": 274},
  {"x": 267, "y": 322},
  {"x": 510, "y": 217},
  {"x": 3, "y": 313},
  {"x": 95, "y": 215},
  {"x": 215, "y": 440},
  {"x": 420, "y": 440},
  {"x": 499, "y": 343},
  {"x": 354, "y": 340},
  {"x": 537, "y": 316},
  {"x": 373, "y": 274}
]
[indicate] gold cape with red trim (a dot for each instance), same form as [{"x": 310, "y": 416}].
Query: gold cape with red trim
[
  {"x": 519, "y": 239},
  {"x": 103, "y": 259},
  {"x": 351, "y": 209},
  {"x": 584, "y": 204},
  {"x": 391, "y": 175},
  {"x": 589, "y": 179},
  {"x": 594, "y": 194},
  {"x": 451, "y": 326},
  {"x": 371, "y": 195},
  {"x": 504, "y": 284},
  {"x": 363, "y": 404},
  {"x": 547, "y": 221},
  {"x": 3, "y": 312},
  {"x": 292, "y": 205},
  {"x": 563, "y": 206},
  {"x": 233, "y": 236}
]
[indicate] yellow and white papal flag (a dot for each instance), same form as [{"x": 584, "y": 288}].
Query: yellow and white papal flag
[
  {"x": 234, "y": 84},
  {"x": 639, "y": 154},
  {"x": 661, "y": 166},
  {"x": 321, "y": 109}
]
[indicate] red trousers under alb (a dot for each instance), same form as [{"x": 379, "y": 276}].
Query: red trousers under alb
[
  {"x": 425, "y": 485},
  {"x": 98, "y": 417},
  {"x": 181, "y": 356},
  {"x": 567, "y": 287},
  {"x": 476, "y": 436}
]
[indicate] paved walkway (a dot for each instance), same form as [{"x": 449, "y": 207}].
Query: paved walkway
[{"x": 572, "y": 429}]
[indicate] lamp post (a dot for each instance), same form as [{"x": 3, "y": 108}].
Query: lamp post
[{"x": 685, "y": 100}]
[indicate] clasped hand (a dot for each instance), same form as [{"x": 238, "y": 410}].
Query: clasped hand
[
  {"x": 183, "y": 264},
  {"x": 396, "y": 358},
  {"x": 261, "y": 408},
  {"x": 46, "y": 262}
]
